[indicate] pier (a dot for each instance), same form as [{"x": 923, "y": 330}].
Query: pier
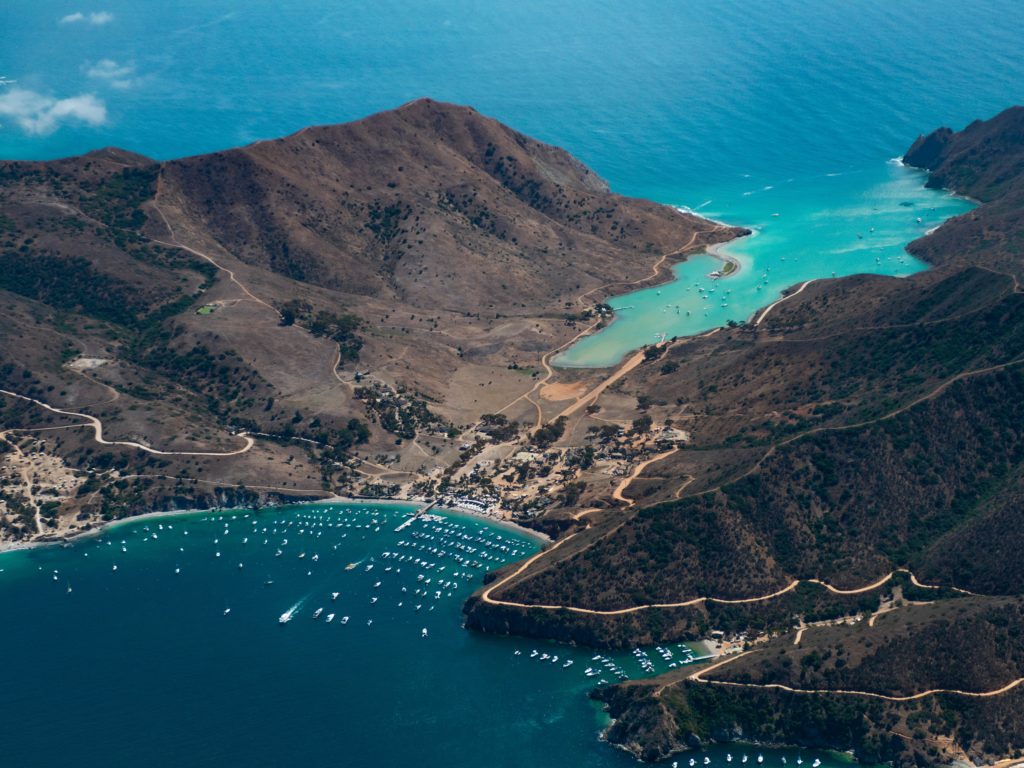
[{"x": 421, "y": 511}]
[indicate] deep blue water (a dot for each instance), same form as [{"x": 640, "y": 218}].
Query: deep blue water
[
  {"x": 158, "y": 643},
  {"x": 717, "y": 106},
  {"x": 672, "y": 101}
]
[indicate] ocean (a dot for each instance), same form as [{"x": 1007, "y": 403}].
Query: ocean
[
  {"x": 737, "y": 109},
  {"x": 159, "y": 642}
]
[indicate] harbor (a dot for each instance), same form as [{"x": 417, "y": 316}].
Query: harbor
[{"x": 302, "y": 613}]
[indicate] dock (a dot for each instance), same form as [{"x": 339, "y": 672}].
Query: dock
[{"x": 421, "y": 511}]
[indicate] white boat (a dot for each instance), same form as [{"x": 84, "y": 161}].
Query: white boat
[
  {"x": 424, "y": 632},
  {"x": 330, "y": 617},
  {"x": 227, "y": 611},
  {"x": 334, "y": 595},
  {"x": 344, "y": 619},
  {"x": 317, "y": 612},
  {"x": 285, "y": 617}
]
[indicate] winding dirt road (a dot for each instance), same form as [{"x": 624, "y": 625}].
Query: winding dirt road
[
  {"x": 486, "y": 594},
  {"x": 176, "y": 243},
  {"x": 698, "y": 677},
  {"x": 774, "y": 304},
  {"x": 97, "y": 427}
]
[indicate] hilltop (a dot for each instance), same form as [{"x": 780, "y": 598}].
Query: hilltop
[{"x": 324, "y": 313}]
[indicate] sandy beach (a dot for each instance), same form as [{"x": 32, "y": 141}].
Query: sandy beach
[{"x": 718, "y": 251}]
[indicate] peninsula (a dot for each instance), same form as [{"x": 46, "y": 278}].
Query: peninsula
[{"x": 363, "y": 310}]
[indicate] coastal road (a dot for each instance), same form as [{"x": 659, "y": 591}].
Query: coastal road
[
  {"x": 549, "y": 372},
  {"x": 486, "y": 596},
  {"x": 698, "y": 677},
  {"x": 774, "y": 304}
]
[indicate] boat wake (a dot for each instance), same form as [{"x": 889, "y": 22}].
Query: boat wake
[{"x": 288, "y": 615}]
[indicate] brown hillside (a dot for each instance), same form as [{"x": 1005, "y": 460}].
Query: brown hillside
[{"x": 432, "y": 205}]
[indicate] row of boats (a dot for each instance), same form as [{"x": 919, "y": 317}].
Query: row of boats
[
  {"x": 743, "y": 760},
  {"x": 606, "y": 667},
  {"x": 441, "y": 554},
  {"x": 440, "y": 557}
]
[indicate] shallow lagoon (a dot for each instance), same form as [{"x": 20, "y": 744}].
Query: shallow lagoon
[{"x": 797, "y": 237}]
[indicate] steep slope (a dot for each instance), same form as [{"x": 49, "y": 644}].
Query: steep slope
[
  {"x": 866, "y": 682},
  {"x": 984, "y": 161},
  {"x": 303, "y": 316},
  {"x": 430, "y": 204},
  {"x": 863, "y": 441}
]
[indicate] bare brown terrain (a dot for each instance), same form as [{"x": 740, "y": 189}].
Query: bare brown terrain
[{"x": 332, "y": 312}]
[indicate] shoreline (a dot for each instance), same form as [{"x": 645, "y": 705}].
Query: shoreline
[
  {"x": 108, "y": 525},
  {"x": 719, "y": 251},
  {"x": 726, "y": 258},
  {"x": 664, "y": 277},
  {"x": 715, "y": 251}
]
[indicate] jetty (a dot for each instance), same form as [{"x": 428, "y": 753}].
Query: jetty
[{"x": 418, "y": 513}]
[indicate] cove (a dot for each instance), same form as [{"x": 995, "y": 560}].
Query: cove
[
  {"x": 827, "y": 226},
  {"x": 177, "y": 656}
]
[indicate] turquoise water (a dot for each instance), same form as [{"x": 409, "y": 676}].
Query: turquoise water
[
  {"x": 738, "y": 109},
  {"x": 803, "y": 228},
  {"x": 177, "y": 656}
]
